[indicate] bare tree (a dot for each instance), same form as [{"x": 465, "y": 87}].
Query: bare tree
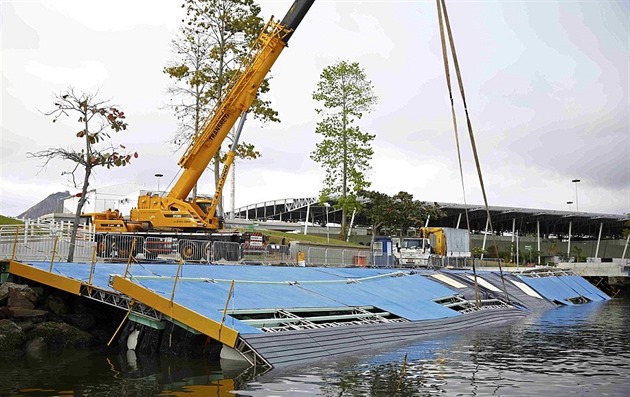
[{"x": 97, "y": 120}]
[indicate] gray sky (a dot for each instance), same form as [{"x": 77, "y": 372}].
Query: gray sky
[{"x": 546, "y": 85}]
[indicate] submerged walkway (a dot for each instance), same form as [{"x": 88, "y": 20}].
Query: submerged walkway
[{"x": 281, "y": 315}]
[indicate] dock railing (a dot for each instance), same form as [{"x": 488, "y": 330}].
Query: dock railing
[
  {"x": 48, "y": 242},
  {"x": 51, "y": 242}
]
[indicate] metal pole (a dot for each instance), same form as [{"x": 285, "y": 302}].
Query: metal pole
[
  {"x": 599, "y": 238},
  {"x": 538, "y": 238},
  {"x": 576, "y": 181},
  {"x": 513, "y": 235},
  {"x": 483, "y": 245},
  {"x": 517, "y": 251},
  {"x": 327, "y": 227},
  {"x": 625, "y": 247},
  {"x": 308, "y": 209},
  {"x": 351, "y": 222},
  {"x": 569, "y": 242}
]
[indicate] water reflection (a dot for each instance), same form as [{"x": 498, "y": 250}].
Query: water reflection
[{"x": 579, "y": 350}]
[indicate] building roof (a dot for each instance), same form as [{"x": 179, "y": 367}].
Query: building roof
[{"x": 504, "y": 219}]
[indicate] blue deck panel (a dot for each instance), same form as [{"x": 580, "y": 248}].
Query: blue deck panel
[
  {"x": 586, "y": 289},
  {"x": 562, "y": 288},
  {"x": 270, "y": 287},
  {"x": 408, "y": 296}
]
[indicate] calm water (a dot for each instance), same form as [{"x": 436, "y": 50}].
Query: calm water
[{"x": 571, "y": 351}]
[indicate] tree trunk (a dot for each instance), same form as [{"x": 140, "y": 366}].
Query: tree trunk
[{"x": 77, "y": 215}]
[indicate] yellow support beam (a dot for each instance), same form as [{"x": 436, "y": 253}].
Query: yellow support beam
[
  {"x": 44, "y": 277},
  {"x": 178, "y": 312}
]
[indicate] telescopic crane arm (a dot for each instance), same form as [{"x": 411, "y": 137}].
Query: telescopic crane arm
[
  {"x": 174, "y": 211},
  {"x": 270, "y": 43}
]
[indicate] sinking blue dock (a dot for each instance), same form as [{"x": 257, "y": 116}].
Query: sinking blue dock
[{"x": 279, "y": 315}]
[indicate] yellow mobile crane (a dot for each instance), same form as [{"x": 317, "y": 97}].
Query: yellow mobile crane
[{"x": 174, "y": 214}]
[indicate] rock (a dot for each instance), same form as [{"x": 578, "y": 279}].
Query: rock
[
  {"x": 11, "y": 336},
  {"x": 57, "y": 305},
  {"x": 4, "y": 290},
  {"x": 58, "y": 335},
  {"x": 33, "y": 315},
  {"x": 35, "y": 347},
  {"x": 25, "y": 325},
  {"x": 17, "y": 299},
  {"x": 22, "y": 289},
  {"x": 84, "y": 321}
]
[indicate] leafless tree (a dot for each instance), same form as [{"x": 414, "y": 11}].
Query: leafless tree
[{"x": 97, "y": 119}]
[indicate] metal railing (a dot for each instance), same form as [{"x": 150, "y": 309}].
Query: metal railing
[{"x": 51, "y": 242}]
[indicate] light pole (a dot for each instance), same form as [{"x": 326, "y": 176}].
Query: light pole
[
  {"x": 576, "y": 181},
  {"x": 158, "y": 176},
  {"x": 327, "y": 227},
  {"x": 569, "y": 204}
]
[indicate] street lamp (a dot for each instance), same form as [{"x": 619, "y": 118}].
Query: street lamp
[
  {"x": 327, "y": 227},
  {"x": 158, "y": 176},
  {"x": 576, "y": 181},
  {"x": 569, "y": 204}
]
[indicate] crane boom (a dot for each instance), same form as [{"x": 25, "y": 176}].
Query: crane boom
[
  {"x": 238, "y": 99},
  {"x": 174, "y": 211}
]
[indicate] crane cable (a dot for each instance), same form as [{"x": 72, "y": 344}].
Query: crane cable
[
  {"x": 443, "y": 20},
  {"x": 447, "y": 73}
]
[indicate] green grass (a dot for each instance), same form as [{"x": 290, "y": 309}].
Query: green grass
[
  {"x": 9, "y": 221},
  {"x": 276, "y": 237}
]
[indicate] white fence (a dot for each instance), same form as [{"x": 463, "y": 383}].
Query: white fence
[
  {"x": 44, "y": 243},
  {"x": 51, "y": 242}
]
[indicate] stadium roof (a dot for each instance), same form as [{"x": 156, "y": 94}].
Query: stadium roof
[{"x": 525, "y": 220}]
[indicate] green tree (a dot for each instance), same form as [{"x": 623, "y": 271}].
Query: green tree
[
  {"x": 345, "y": 151},
  {"x": 399, "y": 212},
  {"x": 97, "y": 120},
  {"x": 213, "y": 41},
  {"x": 377, "y": 209},
  {"x": 408, "y": 213}
]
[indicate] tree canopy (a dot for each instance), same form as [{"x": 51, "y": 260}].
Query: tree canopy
[
  {"x": 398, "y": 213},
  {"x": 345, "y": 94},
  {"x": 214, "y": 39}
]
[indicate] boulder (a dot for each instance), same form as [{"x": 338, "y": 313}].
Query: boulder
[
  {"x": 18, "y": 299},
  {"x": 83, "y": 321},
  {"x": 57, "y": 305},
  {"x": 31, "y": 315},
  {"x": 11, "y": 336},
  {"x": 23, "y": 289},
  {"x": 35, "y": 347},
  {"x": 58, "y": 335}
]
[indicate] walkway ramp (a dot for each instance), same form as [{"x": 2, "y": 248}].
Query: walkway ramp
[{"x": 286, "y": 315}]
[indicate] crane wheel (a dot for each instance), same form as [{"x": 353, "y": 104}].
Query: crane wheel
[
  {"x": 189, "y": 251},
  {"x": 102, "y": 246}
]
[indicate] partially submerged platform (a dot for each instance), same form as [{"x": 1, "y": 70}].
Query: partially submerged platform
[{"x": 277, "y": 316}]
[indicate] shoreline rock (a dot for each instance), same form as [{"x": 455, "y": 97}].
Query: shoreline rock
[{"x": 34, "y": 319}]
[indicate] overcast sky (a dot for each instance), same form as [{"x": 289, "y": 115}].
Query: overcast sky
[{"x": 546, "y": 85}]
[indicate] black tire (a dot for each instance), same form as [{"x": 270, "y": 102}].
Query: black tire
[
  {"x": 102, "y": 246},
  {"x": 189, "y": 251}
]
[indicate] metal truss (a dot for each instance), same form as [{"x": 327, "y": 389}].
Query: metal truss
[{"x": 120, "y": 301}]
